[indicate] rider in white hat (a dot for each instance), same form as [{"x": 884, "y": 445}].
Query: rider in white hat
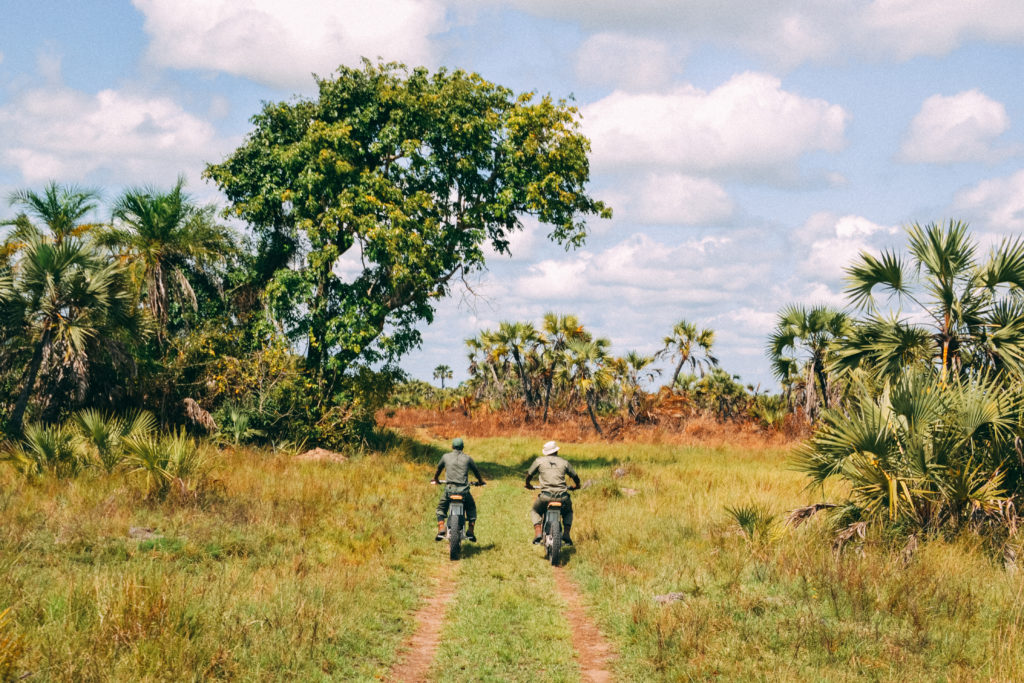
[{"x": 551, "y": 470}]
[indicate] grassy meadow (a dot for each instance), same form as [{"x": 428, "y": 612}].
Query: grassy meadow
[{"x": 289, "y": 570}]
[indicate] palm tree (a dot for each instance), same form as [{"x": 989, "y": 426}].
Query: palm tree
[
  {"x": 586, "y": 372},
  {"x": 802, "y": 341},
  {"x": 517, "y": 339},
  {"x": 166, "y": 234},
  {"x": 442, "y": 372},
  {"x": 557, "y": 332},
  {"x": 59, "y": 207},
  {"x": 689, "y": 345},
  {"x": 974, "y": 310},
  {"x": 63, "y": 296},
  {"x": 632, "y": 370}
]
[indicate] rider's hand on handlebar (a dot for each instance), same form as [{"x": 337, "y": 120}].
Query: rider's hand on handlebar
[{"x": 434, "y": 482}]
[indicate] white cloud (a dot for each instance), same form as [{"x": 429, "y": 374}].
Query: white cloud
[
  {"x": 996, "y": 204},
  {"x": 958, "y": 128},
  {"x": 640, "y": 272},
  {"x": 790, "y": 32},
  {"x": 908, "y": 28},
  {"x": 671, "y": 199},
  {"x": 748, "y": 124},
  {"x": 623, "y": 61},
  {"x": 281, "y": 44},
  {"x": 68, "y": 135},
  {"x": 829, "y": 243}
]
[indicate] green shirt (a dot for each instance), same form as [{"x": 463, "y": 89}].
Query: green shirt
[
  {"x": 457, "y": 466},
  {"x": 551, "y": 471}
]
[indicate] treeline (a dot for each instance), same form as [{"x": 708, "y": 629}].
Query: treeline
[{"x": 559, "y": 368}]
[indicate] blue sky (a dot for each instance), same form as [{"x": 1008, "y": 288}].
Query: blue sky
[{"x": 749, "y": 150}]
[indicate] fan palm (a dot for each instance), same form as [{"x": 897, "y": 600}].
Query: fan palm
[
  {"x": 517, "y": 339},
  {"x": 690, "y": 345},
  {"x": 586, "y": 372},
  {"x": 165, "y": 233},
  {"x": 802, "y": 341},
  {"x": 556, "y": 332},
  {"x": 974, "y": 314},
  {"x": 64, "y": 296}
]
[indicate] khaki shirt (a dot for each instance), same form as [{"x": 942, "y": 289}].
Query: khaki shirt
[
  {"x": 551, "y": 471},
  {"x": 457, "y": 466}
]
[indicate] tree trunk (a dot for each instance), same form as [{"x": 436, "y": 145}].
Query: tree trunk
[
  {"x": 18, "y": 415},
  {"x": 819, "y": 371},
  {"x": 527, "y": 394},
  {"x": 679, "y": 368},
  {"x": 593, "y": 418},
  {"x": 547, "y": 398}
]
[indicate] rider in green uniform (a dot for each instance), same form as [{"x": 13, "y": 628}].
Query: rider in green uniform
[
  {"x": 457, "y": 466},
  {"x": 551, "y": 470}
]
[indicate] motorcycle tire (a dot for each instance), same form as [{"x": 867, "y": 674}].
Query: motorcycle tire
[
  {"x": 454, "y": 537},
  {"x": 556, "y": 542}
]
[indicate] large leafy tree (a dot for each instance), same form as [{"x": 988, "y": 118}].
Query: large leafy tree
[
  {"x": 169, "y": 237},
  {"x": 370, "y": 200},
  {"x": 947, "y": 307}
]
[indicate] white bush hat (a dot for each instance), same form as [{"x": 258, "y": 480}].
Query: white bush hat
[{"x": 549, "y": 448}]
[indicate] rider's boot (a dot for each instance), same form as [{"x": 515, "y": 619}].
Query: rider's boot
[
  {"x": 471, "y": 532},
  {"x": 440, "y": 532},
  {"x": 566, "y": 538},
  {"x": 538, "y": 535}
]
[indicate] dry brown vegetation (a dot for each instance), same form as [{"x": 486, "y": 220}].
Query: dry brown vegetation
[{"x": 684, "y": 430}]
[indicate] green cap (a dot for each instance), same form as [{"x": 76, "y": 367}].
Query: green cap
[{"x": 457, "y": 443}]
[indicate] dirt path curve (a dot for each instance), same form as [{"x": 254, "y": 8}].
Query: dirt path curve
[{"x": 592, "y": 649}]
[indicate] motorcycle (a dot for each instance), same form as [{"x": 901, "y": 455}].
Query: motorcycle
[
  {"x": 552, "y": 529},
  {"x": 455, "y": 531}
]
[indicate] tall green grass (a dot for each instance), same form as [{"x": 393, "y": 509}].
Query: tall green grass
[{"x": 287, "y": 571}]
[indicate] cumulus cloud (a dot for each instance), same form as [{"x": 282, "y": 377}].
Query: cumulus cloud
[
  {"x": 69, "y": 135},
  {"x": 791, "y": 32},
  {"x": 828, "y": 244},
  {"x": 640, "y": 271},
  {"x": 748, "y": 124},
  {"x": 996, "y": 204},
  {"x": 627, "y": 62},
  {"x": 958, "y": 128},
  {"x": 281, "y": 44},
  {"x": 671, "y": 199}
]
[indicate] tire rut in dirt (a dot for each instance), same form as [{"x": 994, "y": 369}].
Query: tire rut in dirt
[{"x": 593, "y": 650}]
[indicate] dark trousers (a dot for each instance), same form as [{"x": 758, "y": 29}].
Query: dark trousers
[
  {"x": 467, "y": 501},
  {"x": 540, "y": 506}
]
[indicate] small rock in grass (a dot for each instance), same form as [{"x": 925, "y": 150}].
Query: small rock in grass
[
  {"x": 669, "y": 597},
  {"x": 619, "y": 472},
  {"x": 587, "y": 484},
  {"x": 142, "y": 533},
  {"x": 629, "y": 492}
]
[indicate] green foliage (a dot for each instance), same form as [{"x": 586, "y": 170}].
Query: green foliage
[
  {"x": 164, "y": 460},
  {"x": 233, "y": 422},
  {"x": 47, "y": 449},
  {"x": 921, "y": 451},
  {"x": 103, "y": 435},
  {"x": 973, "y": 310},
  {"x": 411, "y": 172},
  {"x": 756, "y": 521}
]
